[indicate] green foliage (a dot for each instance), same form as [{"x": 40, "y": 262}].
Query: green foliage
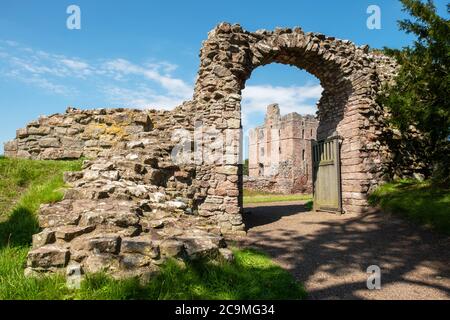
[
  {"x": 420, "y": 202},
  {"x": 251, "y": 276},
  {"x": 421, "y": 94},
  {"x": 245, "y": 171},
  {"x": 309, "y": 205}
]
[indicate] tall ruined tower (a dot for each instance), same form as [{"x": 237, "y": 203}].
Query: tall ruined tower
[{"x": 280, "y": 152}]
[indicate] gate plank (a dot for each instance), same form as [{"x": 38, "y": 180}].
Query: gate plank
[{"x": 327, "y": 175}]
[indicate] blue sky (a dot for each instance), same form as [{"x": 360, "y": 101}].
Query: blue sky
[{"x": 145, "y": 53}]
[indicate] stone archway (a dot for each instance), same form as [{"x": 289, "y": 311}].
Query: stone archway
[
  {"x": 149, "y": 196},
  {"x": 351, "y": 77}
]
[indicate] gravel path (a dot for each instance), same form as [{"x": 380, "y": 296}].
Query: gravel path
[{"x": 330, "y": 253}]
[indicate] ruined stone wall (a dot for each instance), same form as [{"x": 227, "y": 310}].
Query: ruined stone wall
[
  {"x": 108, "y": 133},
  {"x": 280, "y": 152},
  {"x": 131, "y": 207},
  {"x": 81, "y": 133}
]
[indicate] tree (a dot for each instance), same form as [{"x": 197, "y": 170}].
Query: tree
[
  {"x": 421, "y": 95},
  {"x": 245, "y": 167}
]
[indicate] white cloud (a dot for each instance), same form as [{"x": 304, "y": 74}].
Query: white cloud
[
  {"x": 142, "y": 97},
  {"x": 291, "y": 99},
  {"x": 174, "y": 86},
  {"x": 149, "y": 84},
  {"x": 153, "y": 83},
  {"x": 77, "y": 66},
  {"x": 38, "y": 81}
]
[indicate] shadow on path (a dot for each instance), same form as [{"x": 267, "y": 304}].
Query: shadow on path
[
  {"x": 330, "y": 254},
  {"x": 258, "y": 215}
]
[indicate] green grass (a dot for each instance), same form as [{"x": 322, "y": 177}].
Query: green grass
[
  {"x": 419, "y": 202},
  {"x": 252, "y": 197},
  {"x": 309, "y": 205},
  {"x": 26, "y": 184},
  {"x": 251, "y": 276}
]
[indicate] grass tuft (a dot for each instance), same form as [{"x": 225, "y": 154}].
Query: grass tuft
[{"x": 416, "y": 201}]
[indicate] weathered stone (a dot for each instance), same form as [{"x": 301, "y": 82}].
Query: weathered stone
[
  {"x": 140, "y": 245},
  {"x": 113, "y": 216},
  {"x": 105, "y": 244},
  {"x": 48, "y": 256},
  {"x": 72, "y": 176},
  {"x": 57, "y": 219},
  {"x": 49, "y": 143},
  {"x": 138, "y": 191},
  {"x": 45, "y": 237},
  {"x": 74, "y": 273},
  {"x": 67, "y": 233},
  {"x": 22, "y": 133},
  {"x": 101, "y": 263},
  {"x": 226, "y": 254},
  {"x": 135, "y": 144},
  {"x": 157, "y": 197},
  {"x": 39, "y": 131},
  {"x": 111, "y": 175},
  {"x": 11, "y": 146},
  {"x": 201, "y": 246},
  {"x": 102, "y": 166},
  {"x": 133, "y": 261},
  {"x": 228, "y": 170},
  {"x": 176, "y": 204},
  {"x": 52, "y": 154},
  {"x": 171, "y": 248}
]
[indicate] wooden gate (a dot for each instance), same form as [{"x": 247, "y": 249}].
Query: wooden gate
[{"x": 327, "y": 175}]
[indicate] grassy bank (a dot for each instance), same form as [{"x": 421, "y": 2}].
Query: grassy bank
[
  {"x": 252, "y": 197},
  {"x": 416, "y": 201},
  {"x": 26, "y": 184}
]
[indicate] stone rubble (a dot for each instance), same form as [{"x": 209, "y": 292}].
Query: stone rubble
[{"x": 117, "y": 218}]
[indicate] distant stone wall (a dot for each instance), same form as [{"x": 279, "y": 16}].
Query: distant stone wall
[{"x": 280, "y": 153}]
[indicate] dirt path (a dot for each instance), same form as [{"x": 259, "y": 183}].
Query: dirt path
[{"x": 330, "y": 253}]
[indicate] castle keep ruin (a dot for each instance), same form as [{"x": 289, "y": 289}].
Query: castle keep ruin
[
  {"x": 280, "y": 157},
  {"x": 131, "y": 207}
]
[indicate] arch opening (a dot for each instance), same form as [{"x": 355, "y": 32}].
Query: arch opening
[{"x": 278, "y": 109}]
